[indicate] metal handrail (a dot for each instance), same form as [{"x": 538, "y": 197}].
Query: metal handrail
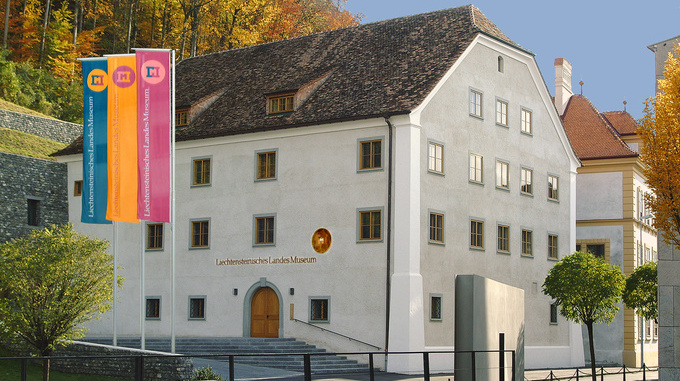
[{"x": 339, "y": 334}]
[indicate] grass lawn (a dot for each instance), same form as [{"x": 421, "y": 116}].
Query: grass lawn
[
  {"x": 6, "y": 105},
  {"x": 21, "y": 143}
]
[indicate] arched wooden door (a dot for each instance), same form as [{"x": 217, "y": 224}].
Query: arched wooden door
[{"x": 264, "y": 314}]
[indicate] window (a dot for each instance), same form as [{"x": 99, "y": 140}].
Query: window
[
  {"x": 436, "y": 227},
  {"x": 525, "y": 123},
  {"x": 476, "y": 168},
  {"x": 501, "y": 112},
  {"x": 527, "y": 242},
  {"x": 196, "y": 308},
  {"x": 553, "y": 313},
  {"x": 477, "y": 234},
  {"x": 476, "y": 103},
  {"x": 201, "y": 168},
  {"x": 526, "y": 181},
  {"x": 648, "y": 329},
  {"x": 281, "y": 103},
  {"x": 181, "y": 118},
  {"x": 596, "y": 249},
  {"x": 553, "y": 187},
  {"x": 78, "y": 188},
  {"x": 154, "y": 236},
  {"x": 33, "y": 212},
  {"x": 153, "y": 308},
  {"x": 318, "y": 309},
  {"x": 370, "y": 154},
  {"x": 500, "y": 64},
  {"x": 435, "y": 157},
  {"x": 553, "y": 246},
  {"x": 502, "y": 169},
  {"x": 435, "y": 307},
  {"x": 266, "y": 165},
  {"x": 503, "y": 239},
  {"x": 370, "y": 225},
  {"x": 200, "y": 230},
  {"x": 264, "y": 230}
]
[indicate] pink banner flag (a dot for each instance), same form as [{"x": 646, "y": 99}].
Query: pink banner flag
[{"x": 153, "y": 134}]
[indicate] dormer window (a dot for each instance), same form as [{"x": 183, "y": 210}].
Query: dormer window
[
  {"x": 182, "y": 118},
  {"x": 281, "y": 103}
]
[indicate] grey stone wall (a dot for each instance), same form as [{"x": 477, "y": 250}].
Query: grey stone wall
[
  {"x": 22, "y": 178},
  {"x": 53, "y": 129},
  {"x": 669, "y": 312}
]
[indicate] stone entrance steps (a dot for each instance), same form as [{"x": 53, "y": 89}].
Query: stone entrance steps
[{"x": 277, "y": 350}]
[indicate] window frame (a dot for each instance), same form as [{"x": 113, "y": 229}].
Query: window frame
[
  {"x": 524, "y": 183},
  {"x": 503, "y": 164},
  {"x": 288, "y": 99},
  {"x": 553, "y": 248},
  {"x": 440, "y": 227},
  {"x": 155, "y": 225},
  {"x": 554, "y": 313},
  {"x": 182, "y": 117},
  {"x": 203, "y": 307},
  {"x": 372, "y": 167},
  {"x": 431, "y": 314},
  {"x": 502, "y": 112},
  {"x": 77, "y": 188},
  {"x": 476, "y": 103},
  {"x": 267, "y": 176},
  {"x": 360, "y": 211},
  {"x": 146, "y": 308},
  {"x": 33, "y": 211},
  {"x": 527, "y": 244},
  {"x": 505, "y": 227},
  {"x": 478, "y": 168},
  {"x": 194, "y": 180},
  {"x": 266, "y": 218},
  {"x": 526, "y": 126},
  {"x": 192, "y": 223},
  {"x": 477, "y": 222},
  {"x": 553, "y": 193},
  {"x": 432, "y": 161},
  {"x": 326, "y": 299}
]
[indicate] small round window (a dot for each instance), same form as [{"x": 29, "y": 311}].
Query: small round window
[{"x": 321, "y": 240}]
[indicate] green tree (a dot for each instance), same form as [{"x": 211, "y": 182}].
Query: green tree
[
  {"x": 587, "y": 290},
  {"x": 51, "y": 282},
  {"x": 640, "y": 293}
]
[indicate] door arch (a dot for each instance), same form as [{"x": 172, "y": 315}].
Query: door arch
[
  {"x": 274, "y": 329},
  {"x": 264, "y": 313}
]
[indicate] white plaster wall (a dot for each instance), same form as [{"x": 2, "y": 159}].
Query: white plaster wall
[
  {"x": 599, "y": 196},
  {"x": 446, "y": 119},
  {"x": 317, "y": 186}
]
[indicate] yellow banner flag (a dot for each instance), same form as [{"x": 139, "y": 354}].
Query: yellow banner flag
[{"x": 122, "y": 139}]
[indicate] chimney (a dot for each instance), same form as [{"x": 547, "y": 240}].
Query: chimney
[{"x": 562, "y": 84}]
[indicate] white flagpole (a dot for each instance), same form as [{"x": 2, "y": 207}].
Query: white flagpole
[
  {"x": 142, "y": 291},
  {"x": 172, "y": 206},
  {"x": 115, "y": 281}
]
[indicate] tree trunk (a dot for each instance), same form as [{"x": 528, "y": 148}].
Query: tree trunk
[
  {"x": 46, "y": 369},
  {"x": 75, "y": 24},
  {"x": 94, "y": 20},
  {"x": 129, "y": 29},
  {"x": 46, "y": 21},
  {"x": 4, "y": 35},
  {"x": 589, "y": 325}
]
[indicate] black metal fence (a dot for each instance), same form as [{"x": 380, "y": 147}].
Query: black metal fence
[
  {"x": 579, "y": 374},
  {"x": 143, "y": 367}
]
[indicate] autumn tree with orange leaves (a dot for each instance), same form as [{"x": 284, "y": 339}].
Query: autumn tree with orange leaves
[{"x": 660, "y": 133}]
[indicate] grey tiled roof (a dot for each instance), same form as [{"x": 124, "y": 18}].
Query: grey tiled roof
[{"x": 370, "y": 70}]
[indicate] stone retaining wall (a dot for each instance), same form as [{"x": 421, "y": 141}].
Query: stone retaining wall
[{"x": 53, "y": 129}]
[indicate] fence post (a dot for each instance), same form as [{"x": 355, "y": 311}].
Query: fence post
[
  {"x": 601, "y": 373},
  {"x": 308, "y": 367},
  {"x": 370, "y": 367},
  {"x": 139, "y": 368},
  {"x": 501, "y": 356},
  {"x": 24, "y": 369},
  {"x": 514, "y": 362},
  {"x": 552, "y": 376},
  {"x": 577, "y": 374},
  {"x": 426, "y": 366},
  {"x": 231, "y": 368},
  {"x": 474, "y": 367},
  {"x": 644, "y": 372},
  {"x": 624, "y": 373}
]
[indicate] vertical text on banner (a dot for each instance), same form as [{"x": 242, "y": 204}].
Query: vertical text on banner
[
  {"x": 95, "y": 177},
  {"x": 153, "y": 134},
  {"x": 122, "y": 139}
]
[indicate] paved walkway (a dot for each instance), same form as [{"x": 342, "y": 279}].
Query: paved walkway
[{"x": 244, "y": 372}]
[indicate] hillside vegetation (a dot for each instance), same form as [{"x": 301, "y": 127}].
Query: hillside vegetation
[{"x": 21, "y": 143}]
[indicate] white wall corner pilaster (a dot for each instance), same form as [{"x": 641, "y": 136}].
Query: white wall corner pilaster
[{"x": 406, "y": 306}]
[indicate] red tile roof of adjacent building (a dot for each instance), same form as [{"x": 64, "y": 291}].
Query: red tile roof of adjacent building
[
  {"x": 622, "y": 122},
  {"x": 590, "y": 133}
]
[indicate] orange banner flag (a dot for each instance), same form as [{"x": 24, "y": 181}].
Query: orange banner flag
[{"x": 122, "y": 139}]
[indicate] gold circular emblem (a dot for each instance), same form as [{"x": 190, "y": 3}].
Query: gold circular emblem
[{"x": 321, "y": 240}]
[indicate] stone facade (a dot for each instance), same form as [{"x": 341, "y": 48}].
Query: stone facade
[
  {"x": 25, "y": 178},
  {"x": 53, "y": 129},
  {"x": 669, "y": 312}
]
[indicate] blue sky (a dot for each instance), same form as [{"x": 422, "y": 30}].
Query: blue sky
[{"x": 605, "y": 41}]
